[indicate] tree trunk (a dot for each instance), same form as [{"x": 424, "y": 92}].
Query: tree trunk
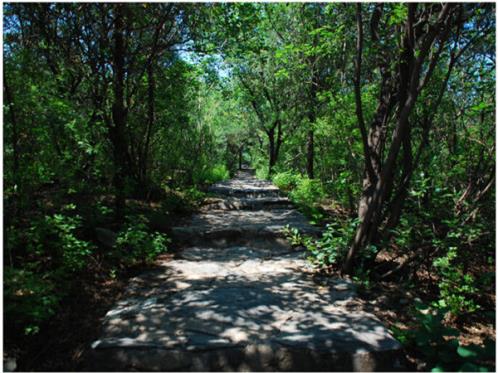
[
  {"x": 310, "y": 146},
  {"x": 119, "y": 113},
  {"x": 15, "y": 136},
  {"x": 271, "y": 150},
  {"x": 310, "y": 154},
  {"x": 17, "y": 206},
  {"x": 150, "y": 121}
]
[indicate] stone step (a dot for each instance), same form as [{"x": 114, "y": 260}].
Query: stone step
[
  {"x": 240, "y": 315},
  {"x": 239, "y": 226},
  {"x": 245, "y": 187},
  {"x": 237, "y": 297},
  {"x": 264, "y": 203},
  {"x": 246, "y": 192},
  {"x": 239, "y": 253}
]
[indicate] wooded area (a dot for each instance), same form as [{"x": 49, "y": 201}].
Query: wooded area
[{"x": 377, "y": 119}]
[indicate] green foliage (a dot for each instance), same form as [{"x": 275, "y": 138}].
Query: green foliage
[
  {"x": 135, "y": 243},
  {"x": 286, "y": 181},
  {"x": 181, "y": 201},
  {"x": 439, "y": 345},
  {"x": 305, "y": 192},
  {"x": 212, "y": 175},
  {"x": 29, "y": 298},
  {"x": 34, "y": 289},
  {"x": 56, "y": 235},
  {"x": 456, "y": 287},
  {"x": 262, "y": 173},
  {"x": 332, "y": 247},
  {"x": 294, "y": 236},
  {"x": 74, "y": 251}
]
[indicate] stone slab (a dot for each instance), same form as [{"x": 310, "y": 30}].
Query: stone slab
[{"x": 262, "y": 203}]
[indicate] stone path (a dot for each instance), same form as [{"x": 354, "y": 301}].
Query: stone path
[{"x": 238, "y": 298}]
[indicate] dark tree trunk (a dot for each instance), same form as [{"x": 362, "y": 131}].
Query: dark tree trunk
[
  {"x": 274, "y": 144},
  {"x": 15, "y": 136},
  {"x": 310, "y": 143},
  {"x": 9, "y": 99},
  {"x": 279, "y": 139},
  {"x": 150, "y": 121},
  {"x": 271, "y": 150},
  {"x": 119, "y": 113},
  {"x": 310, "y": 154}
]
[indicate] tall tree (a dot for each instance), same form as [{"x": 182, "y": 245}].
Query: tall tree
[{"x": 428, "y": 34}]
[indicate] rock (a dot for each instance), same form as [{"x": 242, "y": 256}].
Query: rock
[{"x": 106, "y": 237}]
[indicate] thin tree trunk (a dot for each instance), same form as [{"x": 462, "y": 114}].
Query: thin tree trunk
[
  {"x": 310, "y": 154},
  {"x": 119, "y": 113},
  {"x": 150, "y": 120},
  {"x": 15, "y": 135},
  {"x": 271, "y": 150},
  {"x": 15, "y": 147},
  {"x": 279, "y": 140}
]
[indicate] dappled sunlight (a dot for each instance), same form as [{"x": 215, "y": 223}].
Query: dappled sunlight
[{"x": 258, "y": 302}]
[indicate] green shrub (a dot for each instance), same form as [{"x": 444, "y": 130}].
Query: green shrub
[
  {"x": 194, "y": 196},
  {"x": 29, "y": 298},
  {"x": 286, "y": 181},
  {"x": 181, "y": 201},
  {"x": 55, "y": 254},
  {"x": 304, "y": 192},
  {"x": 455, "y": 286},
  {"x": 212, "y": 175},
  {"x": 332, "y": 247},
  {"x": 294, "y": 236},
  {"x": 56, "y": 236},
  {"x": 328, "y": 250},
  {"x": 439, "y": 346},
  {"x": 262, "y": 173},
  {"x": 136, "y": 244},
  {"x": 308, "y": 192}
]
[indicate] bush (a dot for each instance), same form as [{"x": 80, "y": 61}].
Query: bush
[
  {"x": 286, "y": 181},
  {"x": 56, "y": 236},
  {"x": 332, "y": 247},
  {"x": 262, "y": 173},
  {"x": 181, "y": 201},
  {"x": 55, "y": 253},
  {"x": 439, "y": 346},
  {"x": 306, "y": 193},
  {"x": 455, "y": 286},
  {"x": 328, "y": 250},
  {"x": 135, "y": 244},
  {"x": 212, "y": 175},
  {"x": 29, "y": 299}
]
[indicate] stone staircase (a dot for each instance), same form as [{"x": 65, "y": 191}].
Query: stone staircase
[{"x": 237, "y": 297}]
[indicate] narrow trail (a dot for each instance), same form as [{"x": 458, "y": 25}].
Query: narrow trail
[{"x": 239, "y": 298}]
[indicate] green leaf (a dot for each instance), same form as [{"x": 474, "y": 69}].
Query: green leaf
[
  {"x": 438, "y": 368},
  {"x": 468, "y": 351}
]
